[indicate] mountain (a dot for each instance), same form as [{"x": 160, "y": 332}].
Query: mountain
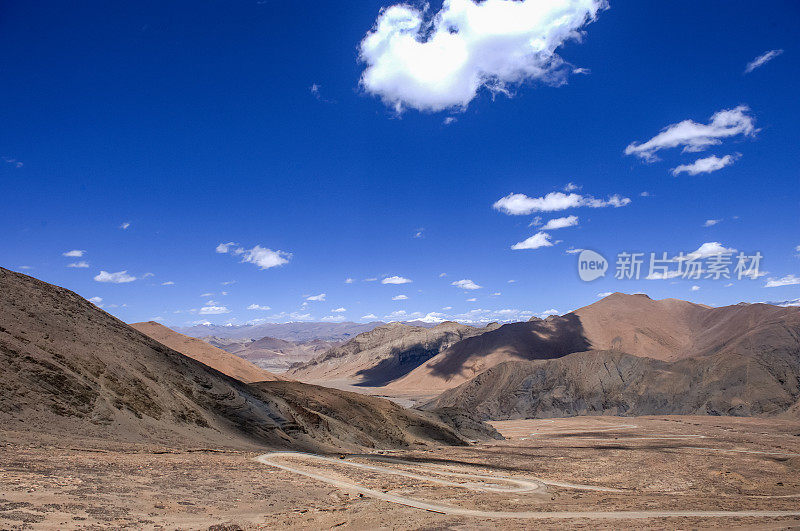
[
  {"x": 71, "y": 370},
  {"x": 288, "y": 331},
  {"x": 271, "y": 353},
  {"x": 614, "y": 383},
  {"x": 667, "y": 330},
  {"x": 218, "y": 359},
  {"x": 385, "y": 353}
]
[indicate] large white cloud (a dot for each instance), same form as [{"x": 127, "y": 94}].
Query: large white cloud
[
  {"x": 120, "y": 277},
  {"x": 788, "y": 280},
  {"x": 435, "y": 61},
  {"x": 705, "y": 165},
  {"x": 696, "y": 137},
  {"x": 560, "y": 223},
  {"x": 521, "y": 204},
  {"x": 262, "y": 257}
]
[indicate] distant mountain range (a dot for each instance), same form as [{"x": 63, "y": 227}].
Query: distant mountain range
[{"x": 299, "y": 331}]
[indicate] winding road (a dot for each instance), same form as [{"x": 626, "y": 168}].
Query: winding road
[{"x": 515, "y": 485}]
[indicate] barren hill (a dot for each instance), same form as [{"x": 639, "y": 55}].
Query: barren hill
[
  {"x": 271, "y": 353},
  {"x": 70, "y": 369},
  {"x": 226, "y": 363},
  {"x": 614, "y": 383},
  {"x": 384, "y": 354},
  {"x": 666, "y": 330}
]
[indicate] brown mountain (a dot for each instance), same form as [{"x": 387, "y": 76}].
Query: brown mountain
[
  {"x": 384, "y": 354},
  {"x": 218, "y": 359},
  {"x": 756, "y": 382},
  {"x": 70, "y": 369},
  {"x": 666, "y": 330},
  {"x": 271, "y": 353}
]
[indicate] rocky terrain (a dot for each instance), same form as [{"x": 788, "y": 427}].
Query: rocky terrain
[
  {"x": 385, "y": 353},
  {"x": 667, "y": 330},
  {"x": 615, "y": 383},
  {"x": 233, "y": 366},
  {"x": 271, "y": 353},
  {"x": 70, "y": 369}
]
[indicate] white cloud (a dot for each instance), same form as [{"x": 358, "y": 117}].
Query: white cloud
[
  {"x": 419, "y": 233},
  {"x": 224, "y": 247},
  {"x": 447, "y": 308},
  {"x": 655, "y": 275},
  {"x": 560, "y": 223},
  {"x": 540, "y": 239},
  {"x": 395, "y": 280},
  {"x": 571, "y": 187},
  {"x": 370, "y": 316},
  {"x": 82, "y": 264},
  {"x": 473, "y": 299},
  {"x": 604, "y": 294},
  {"x": 511, "y": 281},
  {"x": 695, "y": 288},
  {"x": 449, "y": 120},
  {"x": 496, "y": 294},
  {"x": 711, "y": 222},
  {"x": 399, "y": 298},
  {"x": 696, "y": 137},
  {"x": 705, "y": 165},
  {"x": 348, "y": 281},
  {"x": 762, "y": 60},
  {"x": 334, "y": 318},
  {"x": 75, "y": 253},
  {"x": 788, "y": 280},
  {"x": 96, "y": 300},
  {"x": 432, "y": 62},
  {"x": 213, "y": 310},
  {"x": 206, "y": 294},
  {"x": 547, "y": 313},
  {"x": 709, "y": 249},
  {"x": 465, "y": 283},
  {"x": 125, "y": 225},
  {"x": 520, "y": 204},
  {"x": 442, "y": 275},
  {"x": 316, "y": 298},
  {"x": 373, "y": 279},
  {"x": 265, "y": 258},
  {"x": 120, "y": 277},
  {"x": 573, "y": 250},
  {"x": 339, "y": 310},
  {"x": 258, "y": 307},
  {"x": 228, "y": 282},
  {"x": 168, "y": 283}
]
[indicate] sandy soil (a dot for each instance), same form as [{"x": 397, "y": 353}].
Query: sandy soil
[{"x": 630, "y": 466}]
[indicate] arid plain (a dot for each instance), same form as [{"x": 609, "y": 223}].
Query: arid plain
[{"x": 582, "y": 472}]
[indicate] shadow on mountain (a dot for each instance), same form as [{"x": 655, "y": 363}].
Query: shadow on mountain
[
  {"x": 538, "y": 339},
  {"x": 400, "y": 362}
]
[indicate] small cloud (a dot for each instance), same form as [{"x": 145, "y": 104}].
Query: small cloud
[
  {"x": 168, "y": 283},
  {"x": 536, "y": 222},
  {"x": 706, "y": 165},
  {"x": 314, "y": 89},
  {"x": 604, "y": 294},
  {"x": 316, "y": 298},
  {"x": 560, "y": 223},
  {"x": 574, "y": 250},
  {"x": 120, "y": 277},
  {"x": 449, "y": 120},
  {"x": 711, "y": 222},
  {"x": 473, "y": 299},
  {"x": 442, "y": 275},
  {"x": 125, "y": 225},
  {"x": 228, "y": 282},
  {"x": 571, "y": 187},
  {"x": 399, "y": 298},
  {"x": 645, "y": 194},
  {"x": 82, "y": 264},
  {"x": 258, "y": 307},
  {"x": 348, "y": 281},
  {"x": 148, "y": 275},
  {"x": 761, "y": 60},
  {"x": 496, "y": 294},
  {"x": 395, "y": 280},
  {"x": 333, "y": 318},
  {"x": 206, "y": 294},
  {"x": 788, "y": 280},
  {"x": 447, "y": 308},
  {"x": 540, "y": 239},
  {"x": 709, "y": 249},
  {"x": 213, "y": 310},
  {"x": 13, "y": 162},
  {"x": 512, "y": 281},
  {"x": 75, "y": 253},
  {"x": 96, "y": 300},
  {"x": 465, "y": 284},
  {"x": 370, "y": 316},
  {"x": 419, "y": 233},
  {"x": 373, "y": 279},
  {"x": 224, "y": 247},
  {"x": 695, "y": 288},
  {"x": 25, "y": 267},
  {"x": 339, "y": 310},
  {"x": 520, "y": 204},
  {"x": 547, "y": 313},
  {"x": 265, "y": 258}
]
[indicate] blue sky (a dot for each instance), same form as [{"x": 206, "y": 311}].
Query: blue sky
[{"x": 250, "y": 122}]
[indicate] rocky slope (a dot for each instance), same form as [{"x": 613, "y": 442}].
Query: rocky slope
[
  {"x": 68, "y": 368},
  {"x": 667, "y": 330},
  {"x": 384, "y": 354},
  {"x": 615, "y": 383},
  {"x": 218, "y": 359}
]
